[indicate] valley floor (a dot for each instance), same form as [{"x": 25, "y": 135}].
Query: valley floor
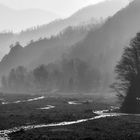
[
  {"x": 112, "y": 128},
  {"x": 26, "y": 110}
]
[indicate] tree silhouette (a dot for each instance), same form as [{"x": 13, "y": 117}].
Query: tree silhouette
[
  {"x": 128, "y": 77},
  {"x": 72, "y": 75},
  {"x": 4, "y": 82},
  {"x": 41, "y": 76}
]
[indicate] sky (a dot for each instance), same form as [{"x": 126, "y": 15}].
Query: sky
[{"x": 63, "y": 8}]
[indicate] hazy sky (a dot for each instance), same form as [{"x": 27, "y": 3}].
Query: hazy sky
[{"x": 60, "y": 7}]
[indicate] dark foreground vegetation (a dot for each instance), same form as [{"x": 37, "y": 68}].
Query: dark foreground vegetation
[
  {"x": 115, "y": 128},
  {"x": 128, "y": 77},
  {"x": 29, "y": 113}
]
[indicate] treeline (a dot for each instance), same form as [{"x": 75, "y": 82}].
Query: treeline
[{"x": 69, "y": 75}]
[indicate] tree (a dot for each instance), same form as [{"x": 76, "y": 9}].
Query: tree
[
  {"x": 41, "y": 76},
  {"x": 128, "y": 77},
  {"x": 4, "y": 82},
  {"x": 12, "y": 80},
  {"x": 21, "y": 75},
  {"x": 16, "y": 81},
  {"x": 78, "y": 75}
]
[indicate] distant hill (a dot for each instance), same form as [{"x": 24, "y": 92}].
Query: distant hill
[
  {"x": 43, "y": 51},
  {"x": 87, "y": 15},
  {"x": 23, "y": 19},
  {"x": 101, "y": 10},
  {"x": 103, "y": 48}
]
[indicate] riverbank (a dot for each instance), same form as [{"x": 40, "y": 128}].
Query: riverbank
[
  {"x": 33, "y": 110},
  {"x": 111, "y": 128},
  {"x": 21, "y": 113},
  {"x": 19, "y": 130}
]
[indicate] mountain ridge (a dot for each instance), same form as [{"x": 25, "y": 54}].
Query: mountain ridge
[
  {"x": 33, "y": 17},
  {"x": 50, "y": 29},
  {"x": 103, "y": 48}
]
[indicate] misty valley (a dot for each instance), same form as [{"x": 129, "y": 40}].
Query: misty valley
[{"x": 70, "y": 77}]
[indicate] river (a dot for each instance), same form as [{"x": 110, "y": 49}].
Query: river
[
  {"x": 23, "y": 101},
  {"x": 100, "y": 114}
]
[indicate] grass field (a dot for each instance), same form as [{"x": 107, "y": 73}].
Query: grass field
[
  {"x": 25, "y": 113},
  {"x": 115, "y": 128},
  {"x": 28, "y": 112}
]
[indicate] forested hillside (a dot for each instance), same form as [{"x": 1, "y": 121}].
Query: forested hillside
[
  {"x": 85, "y": 16},
  {"x": 103, "y": 48}
]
